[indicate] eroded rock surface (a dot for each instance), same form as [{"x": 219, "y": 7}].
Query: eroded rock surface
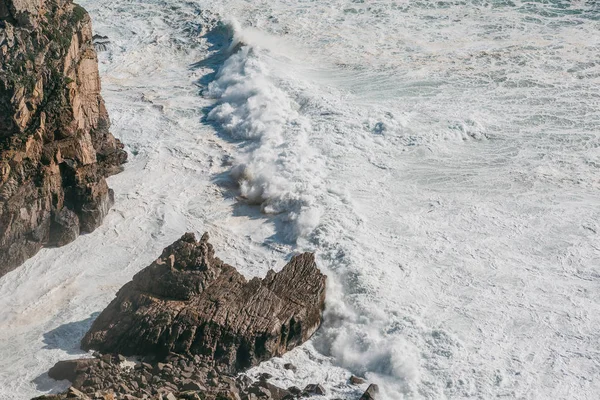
[
  {"x": 190, "y": 302},
  {"x": 55, "y": 144},
  {"x": 177, "y": 377}
]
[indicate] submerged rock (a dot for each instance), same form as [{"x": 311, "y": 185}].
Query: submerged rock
[
  {"x": 190, "y": 302},
  {"x": 55, "y": 144}
]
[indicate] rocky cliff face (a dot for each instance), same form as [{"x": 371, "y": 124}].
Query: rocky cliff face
[
  {"x": 190, "y": 302},
  {"x": 55, "y": 144}
]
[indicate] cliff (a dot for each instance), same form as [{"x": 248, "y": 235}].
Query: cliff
[{"x": 55, "y": 144}]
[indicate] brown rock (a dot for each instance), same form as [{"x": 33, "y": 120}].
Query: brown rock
[
  {"x": 191, "y": 385},
  {"x": 73, "y": 393},
  {"x": 55, "y": 144},
  {"x": 71, "y": 369},
  {"x": 276, "y": 392},
  {"x": 190, "y": 302},
  {"x": 355, "y": 380},
  {"x": 371, "y": 393}
]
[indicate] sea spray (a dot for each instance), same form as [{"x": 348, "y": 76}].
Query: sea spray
[{"x": 277, "y": 167}]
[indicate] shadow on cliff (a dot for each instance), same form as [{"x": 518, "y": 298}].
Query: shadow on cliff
[{"x": 66, "y": 337}]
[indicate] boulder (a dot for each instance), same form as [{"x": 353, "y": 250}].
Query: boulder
[
  {"x": 314, "y": 389},
  {"x": 71, "y": 369},
  {"x": 190, "y": 302},
  {"x": 355, "y": 380},
  {"x": 371, "y": 393}
]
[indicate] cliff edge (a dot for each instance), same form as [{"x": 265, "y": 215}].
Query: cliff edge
[{"x": 55, "y": 144}]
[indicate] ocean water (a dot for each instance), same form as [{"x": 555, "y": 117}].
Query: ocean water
[{"x": 442, "y": 158}]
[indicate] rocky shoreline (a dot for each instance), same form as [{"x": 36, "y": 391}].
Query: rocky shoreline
[
  {"x": 112, "y": 377},
  {"x": 189, "y": 325},
  {"x": 192, "y": 325}
]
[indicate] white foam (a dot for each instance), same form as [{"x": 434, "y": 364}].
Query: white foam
[
  {"x": 444, "y": 169},
  {"x": 279, "y": 169}
]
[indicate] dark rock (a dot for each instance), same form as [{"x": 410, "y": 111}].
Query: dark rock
[
  {"x": 290, "y": 367},
  {"x": 123, "y": 388},
  {"x": 190, "y": 395},
  {"x": 73, "y": 393},
  {"x": 100, "y": 42},
  {"x": 190, "y": 302},
  {"x": 314, "y": 389},
  {"x": 191, "y": 385},
  {"x": 264, "y": 376},
  {"x": 296, "y": 391},
  {"x": 244, "y": 381},
  {"x": 371, "y": 393},
  {"x": 64, "y": 228},
  {"x": 71, "y": 369},
  {"x": 260, "y": 391},
  {"x": 147, "y": 366}
]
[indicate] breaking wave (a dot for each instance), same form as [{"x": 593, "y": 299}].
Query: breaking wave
[{"x": 276, "y": 168}]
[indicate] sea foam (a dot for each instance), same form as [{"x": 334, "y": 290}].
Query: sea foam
[{"x": 276, "y": 168}]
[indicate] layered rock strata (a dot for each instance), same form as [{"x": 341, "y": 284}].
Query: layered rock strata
[
  {"x": 190, "y": 302},
  {"x": 55, "y": 144}
]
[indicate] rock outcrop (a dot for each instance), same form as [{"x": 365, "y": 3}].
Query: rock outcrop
[
  {"x": 55, "y": 144},
  {"x": 189, "y": 302}
]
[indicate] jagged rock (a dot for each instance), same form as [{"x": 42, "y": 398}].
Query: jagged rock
[
  {"x": 260, "y": 391},
  {"x": 371, "y": 393},
  {"x": 314, "y": 388},
  {"x": 55, "y": 144},
  {"x": 198, "y": 321},
  {"x": 71, "y": 369},
  {"x": 190, "y": 302},
  {"x": 64, "y": 228}
]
